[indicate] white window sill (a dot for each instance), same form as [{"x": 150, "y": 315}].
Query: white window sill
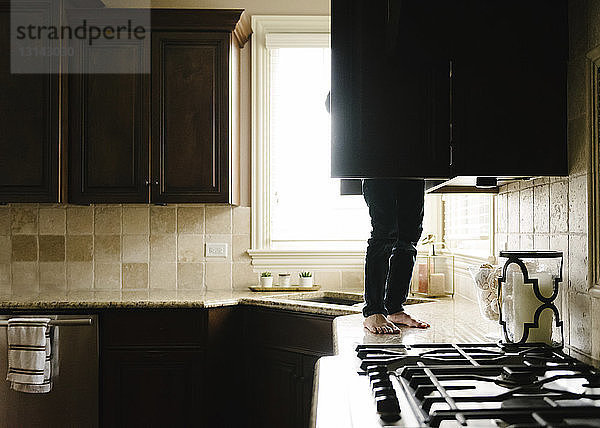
[{"x": 304, "y": 259}]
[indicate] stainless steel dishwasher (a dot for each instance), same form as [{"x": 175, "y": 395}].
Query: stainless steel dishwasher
[{"x": 73, "y": 400}]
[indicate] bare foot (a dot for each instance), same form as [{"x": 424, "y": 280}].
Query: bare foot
[
  {"x": 379, "y": 324},
  {"x": 403, "y": 318}
]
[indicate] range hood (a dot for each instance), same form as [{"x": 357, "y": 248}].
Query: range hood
[{"x": 462, "y": 184}]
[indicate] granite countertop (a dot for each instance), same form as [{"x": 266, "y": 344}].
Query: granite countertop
[
  {"x": 179, "y": 299},
  {"x": 342, "y": 398}
]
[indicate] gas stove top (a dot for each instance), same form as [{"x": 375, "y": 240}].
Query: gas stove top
[{"x": 480, "y": 385}]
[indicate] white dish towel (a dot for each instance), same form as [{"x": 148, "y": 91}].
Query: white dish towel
[{"x": 30, "y": 355}]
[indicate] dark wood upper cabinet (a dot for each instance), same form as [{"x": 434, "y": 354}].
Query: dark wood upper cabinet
[
  {"x": 510, "y": 91},
  {"x": 170, "y": 136},
  {"x": 29, "y": 111},
  {"x": 438, "y": 88},
  {"x": 109, "y": 122},
  {"x": 190, "y": 117}
]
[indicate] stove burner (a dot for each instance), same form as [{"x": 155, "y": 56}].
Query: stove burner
[{"x": 511, "y": 378}]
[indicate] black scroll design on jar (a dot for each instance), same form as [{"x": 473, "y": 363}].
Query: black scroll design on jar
[{"x": 546, "y": 302}]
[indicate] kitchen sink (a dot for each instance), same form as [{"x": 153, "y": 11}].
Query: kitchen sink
[
  {"x": 332, "y": 300},
  {"x": 345, "y": 299}
]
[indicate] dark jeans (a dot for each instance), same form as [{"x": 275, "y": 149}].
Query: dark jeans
[{"x": 396, "y": 210}]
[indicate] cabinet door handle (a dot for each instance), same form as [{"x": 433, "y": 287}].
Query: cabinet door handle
[{"x": 147, "y": 182}]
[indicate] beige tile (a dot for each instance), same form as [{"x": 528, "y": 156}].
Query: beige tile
[
  {"x": 135, "y": 275},
  {"x": 52, "y": 248},
  {"x": 107, "y": 275},
  {"x": 5, "y": 287},
  {"x": 163, "y": 276},
  {"x": 107, "y": 248},
  {"x": 219, "y": 239},
  {"x": 190, "y": 220},
  {"x": 578, "y": 207},
  {"x": 190, "y": 248},
  {"x": 53, "y": 221},
  {"x": 80, "y": 220},
  {"x": 5, "y": 249},
  {"x": 218, "y": 276},
  {"x": 107, "y": 220},
  {"x": 353, "y": 280},
  {"x": 513, "y": 212},
  {"x": 578, "y": 262},
  {"x": 526, "y": 210},
  {"x": 190, "y": 276},
  {"x": 4, "y": 275},
  {"x": 4, "y": 221},
  {"x": 24, "y": 221},
  {"x": 580, "y": 322},
  {"x": 526, "y": 242},
  {"x": 24, "y": 248},
  {"x": 80, "y": 275},
  {"x": 162, "y": 219},
  {"x": 25, "y": 278},
  {"x": 559, "y": 207},
  {"x": 136, "y": 248},
  {"x": 513, "y": 243},
  {"x": 241, "y": 220},
  {"x": 541, "y": 211},
  {"x": 218, "y": 220},
  {"x": 163, "y": 248},
  {"x": 329, "y": 280},
  {"x": 80, "y": 248},
  {"x": 243, "y": 276},
  {"x": 53, "y": 277},
  {"x": 541, "y": 242},
  {"x": 136, "y": 220},
  {"x": 241, "y": 244}
]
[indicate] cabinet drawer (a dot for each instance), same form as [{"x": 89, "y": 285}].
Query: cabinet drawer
[{"x": 166, "y": 327}]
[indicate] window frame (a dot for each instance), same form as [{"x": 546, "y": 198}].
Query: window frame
[
  {"x": 593, "y": 57},
  {"x": 263, "y": 256}
]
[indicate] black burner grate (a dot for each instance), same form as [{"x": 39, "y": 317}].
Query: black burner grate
[{"x": 443, "y": 382}]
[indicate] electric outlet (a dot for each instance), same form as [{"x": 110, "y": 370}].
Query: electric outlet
[{"x": 216, "y": 250}]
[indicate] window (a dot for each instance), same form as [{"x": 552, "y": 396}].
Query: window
[
  {"x": 299, "y": 217},
  {"x": 468, "y": 227}
]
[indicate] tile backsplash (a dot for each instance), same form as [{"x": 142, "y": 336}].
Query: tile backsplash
[
  {"x": 63, "y": 248},
  {"x": 46, "y": 248}
]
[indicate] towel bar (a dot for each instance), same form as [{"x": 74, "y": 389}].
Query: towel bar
[{"x": 63, "y": 322}]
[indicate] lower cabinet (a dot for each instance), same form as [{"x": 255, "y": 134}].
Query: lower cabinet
[
  {"x": 222, "y": 367},
  {"x": 150, "y": 387},
  {"x": 283, "y": 349}
]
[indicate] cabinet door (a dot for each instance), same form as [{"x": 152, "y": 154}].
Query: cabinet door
[
  {"x": 109, "y": 124},
  {"x": 275, "y": 388},
  {"x": 308, "y": 382},
  {"x": 190, "y": 117},
  {"x": 510, "y": 88},
  {"x": 390, "y": 95},
  {"x": 152, "y": 388},
  {"x": 29, "y": 120}
]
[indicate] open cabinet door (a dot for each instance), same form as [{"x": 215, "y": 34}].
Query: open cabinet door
[{"x": 390, "y": 95}]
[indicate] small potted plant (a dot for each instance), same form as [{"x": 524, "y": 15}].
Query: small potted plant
[
  {"x": 266, "y": 279},
  {"x": 306, "y": 279},
  {"x": 284, "y": 280}
]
